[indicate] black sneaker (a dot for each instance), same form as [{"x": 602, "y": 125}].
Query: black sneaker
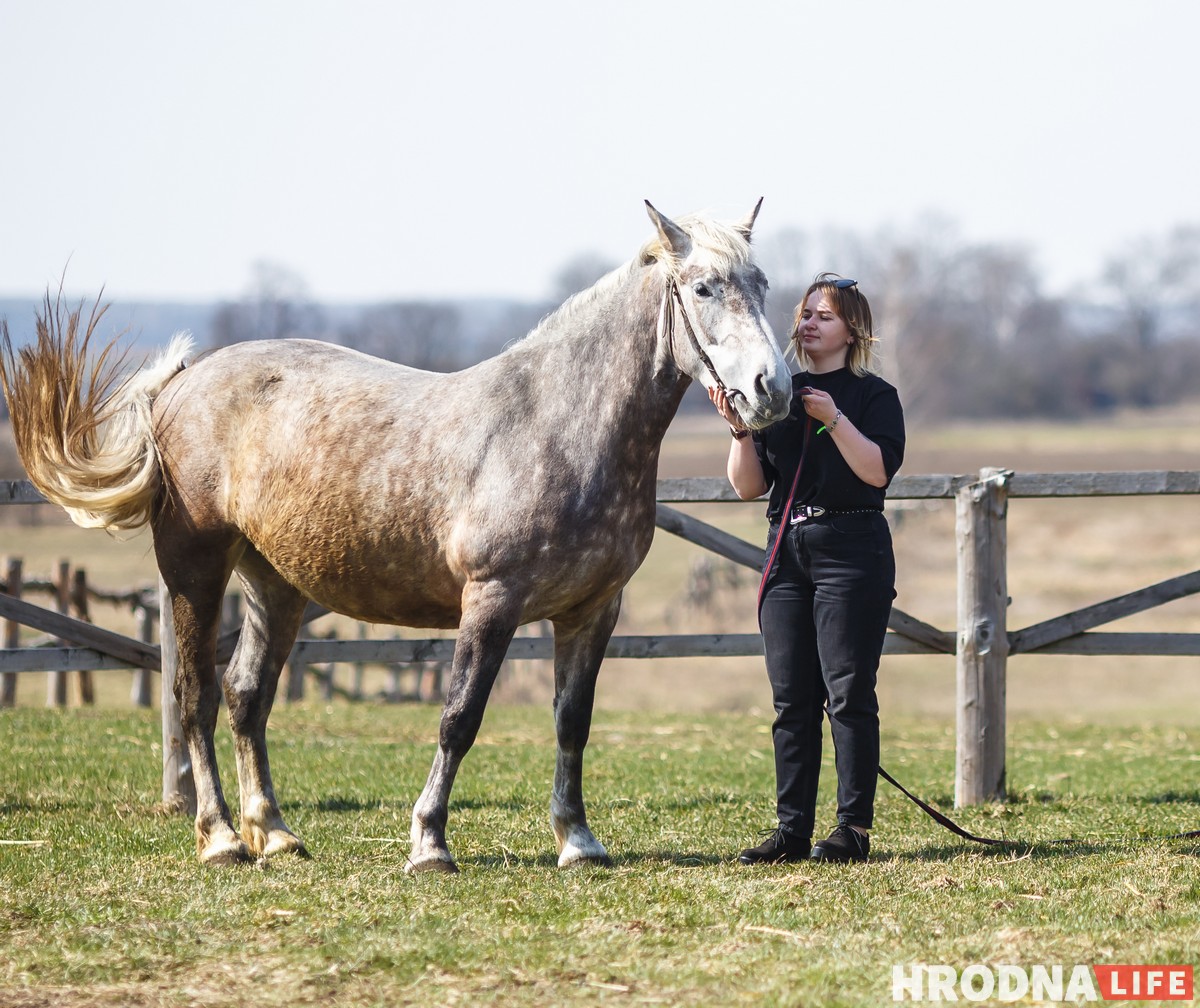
[
  {"x": 780, "y": 847},
  {"x": 843, "y": 845}
]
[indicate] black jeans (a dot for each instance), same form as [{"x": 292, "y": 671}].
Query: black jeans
[{"x": 823, "y": 616}]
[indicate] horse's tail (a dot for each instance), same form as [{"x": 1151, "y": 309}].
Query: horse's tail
[{"x": 84, "y": 433}]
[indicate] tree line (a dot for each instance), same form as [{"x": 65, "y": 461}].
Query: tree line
[{"x": 967, "y": 330}]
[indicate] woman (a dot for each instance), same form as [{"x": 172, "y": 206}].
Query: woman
[{"x": 829, "y": 578}]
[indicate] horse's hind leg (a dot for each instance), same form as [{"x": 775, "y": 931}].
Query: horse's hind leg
[
  {"x": 490, "y": 614},
  {"x": 273, "y": 613},
  {"x": 195, "y": 570},
  {"x": 578, "y": 652}
]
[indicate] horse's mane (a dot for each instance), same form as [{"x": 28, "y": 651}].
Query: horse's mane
[{"x": 727, "y": 246}]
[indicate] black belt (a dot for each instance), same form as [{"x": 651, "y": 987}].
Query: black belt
[{"x": 802, "y": 512}]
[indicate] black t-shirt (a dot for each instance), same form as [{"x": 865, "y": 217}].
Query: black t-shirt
[{"x": 871, "y": 404}]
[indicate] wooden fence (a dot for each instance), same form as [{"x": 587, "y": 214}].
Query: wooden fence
[{"x": 981, "y": 643}]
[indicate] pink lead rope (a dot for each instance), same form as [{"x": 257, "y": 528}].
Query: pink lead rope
[{"x": 787, "y": 510}]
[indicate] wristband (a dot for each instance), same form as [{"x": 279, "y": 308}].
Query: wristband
[{"x": 829, "y": 427}]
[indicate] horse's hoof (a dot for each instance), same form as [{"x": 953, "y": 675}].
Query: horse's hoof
[
  {"x": 443, "y": 863},
  {"x": 577, "y": 845},
  {"x": 593, "y": 854},
  {"x": 285, "y": 843},
  {"x": 596, "y": 860},
  {"x": 227, "y": 854}
]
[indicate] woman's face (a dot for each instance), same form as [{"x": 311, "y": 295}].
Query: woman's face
[{"x": 823, "y": 336}]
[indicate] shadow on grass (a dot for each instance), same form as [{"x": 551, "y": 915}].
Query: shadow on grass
[
  {"x": 1020, "y": 850},
  {"x": 626, "y": 859},
  {"x": 679, "y": 859},
  {"x": 345, "y": 803},
  {"x": 1172, "y": 798}
]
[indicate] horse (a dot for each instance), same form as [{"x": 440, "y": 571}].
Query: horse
[{"x": 516, "y": 490}]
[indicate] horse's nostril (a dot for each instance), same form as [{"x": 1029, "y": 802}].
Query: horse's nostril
[{"x": 776, "y": 397}]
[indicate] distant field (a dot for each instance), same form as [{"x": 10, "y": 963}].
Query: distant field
[{"x": 1062, "y": 554}]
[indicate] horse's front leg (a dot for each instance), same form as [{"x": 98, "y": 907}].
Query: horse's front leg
[
  {"x": 274, "y": 610},
  {"x": 578, "y": 652},
  {"x": 489, "y": 618}
]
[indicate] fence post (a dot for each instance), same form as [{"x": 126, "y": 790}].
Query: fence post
[
  {"x": 294, "y": 672},
  {"x": 12, "y": 633},
  {"x": 179, "y": 787},
  {"x": 139, "y": 693},
  {"x": 79, "y": 603},
  {"x": 360, "y": 668},
  {"x": 980, "y": 511},
  {"x": 56, "y": 681}
]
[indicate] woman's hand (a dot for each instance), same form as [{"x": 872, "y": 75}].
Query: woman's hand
[
  {"x": 743, "y": 468},
  {"x": 862, "y": 454},
  {"x": 728, "y": 413},
  {"x": 819, "y": 405}
]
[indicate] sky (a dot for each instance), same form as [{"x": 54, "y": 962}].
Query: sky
[{"x": 461, "y": 148}]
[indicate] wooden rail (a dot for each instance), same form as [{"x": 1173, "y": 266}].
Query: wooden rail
[{"x": 981, "y": 643}]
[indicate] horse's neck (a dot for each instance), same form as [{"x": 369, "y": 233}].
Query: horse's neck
[{"x": 604, "y": 381}]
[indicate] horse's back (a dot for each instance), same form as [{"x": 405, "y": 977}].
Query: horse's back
[
  {"x": 381, "y": 490},
  {"x": 311, "y": 452}
]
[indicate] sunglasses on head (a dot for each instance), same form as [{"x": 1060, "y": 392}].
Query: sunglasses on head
[{"x": 843, "y": 284}]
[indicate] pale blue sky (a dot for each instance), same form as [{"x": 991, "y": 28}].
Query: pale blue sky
[{"x": 391, "y": 150}]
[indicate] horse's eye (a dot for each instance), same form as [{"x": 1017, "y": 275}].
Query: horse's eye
[{"x": 701, "y": 290}]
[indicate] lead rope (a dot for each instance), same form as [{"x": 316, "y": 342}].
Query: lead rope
[
  {"x": 783, "y": 517},
  {"x": 953, "y": 827},
  {"x": 940, "y": 818},
  {"x": 929, "y": 810}
]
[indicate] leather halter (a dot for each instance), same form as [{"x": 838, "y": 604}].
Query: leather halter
[{"x": 669, "y": 323}]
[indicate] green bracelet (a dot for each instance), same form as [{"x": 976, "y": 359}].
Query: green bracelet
[{"x": 832, "y": 425}]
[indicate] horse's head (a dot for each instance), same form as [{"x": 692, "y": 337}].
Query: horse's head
[{"x": 713, "y": 314}]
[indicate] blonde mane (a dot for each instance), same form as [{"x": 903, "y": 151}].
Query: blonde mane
[{"x": 727, "y": 245}]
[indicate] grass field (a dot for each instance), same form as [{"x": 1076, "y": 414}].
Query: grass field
[{"x": 102, "y": 901}]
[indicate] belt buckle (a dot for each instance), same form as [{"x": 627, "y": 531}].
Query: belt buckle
[{"x": 802, "y": 512}]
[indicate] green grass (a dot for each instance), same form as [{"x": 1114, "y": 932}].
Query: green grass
[{"x": 108, "y": 906}]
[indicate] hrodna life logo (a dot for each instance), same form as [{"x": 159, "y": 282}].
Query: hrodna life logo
[{"x": 1045, "y": 983}]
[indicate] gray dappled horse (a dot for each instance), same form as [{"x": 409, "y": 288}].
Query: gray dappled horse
[{"x": 520, "y": 489}]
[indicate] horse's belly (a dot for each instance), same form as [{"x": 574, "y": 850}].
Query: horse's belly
[
  {"x": 376, "y": 594},
  {"x": 367, "y": 574},
  {"x": 387, "y": 576}
]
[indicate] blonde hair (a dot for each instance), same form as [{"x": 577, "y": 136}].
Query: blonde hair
[{"x": 850, "y": 305}]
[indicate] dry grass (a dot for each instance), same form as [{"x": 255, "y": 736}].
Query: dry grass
[{"x": 1062, "y": 554}]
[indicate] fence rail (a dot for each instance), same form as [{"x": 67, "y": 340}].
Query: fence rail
[{"x": 981, "y": 642}]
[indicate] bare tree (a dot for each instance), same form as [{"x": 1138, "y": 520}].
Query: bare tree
[
  {"x": 421, "y": 334},
  {"x": 580, "y": 273},
  {"x": 1156, "y": 286},
  {"x": 277, "y": 305}
]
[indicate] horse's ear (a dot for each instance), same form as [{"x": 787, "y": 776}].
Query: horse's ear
[
  {"x": 674, "y": 238},
  {"x": 746, "y": 226}
]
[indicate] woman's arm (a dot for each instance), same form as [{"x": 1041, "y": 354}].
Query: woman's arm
[
  {"x": 743, "y": 469},
  {"x": 862, "y": 455}
]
